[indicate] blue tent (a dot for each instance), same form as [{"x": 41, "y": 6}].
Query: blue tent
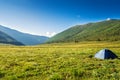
[{"x": 105, "y": 54}]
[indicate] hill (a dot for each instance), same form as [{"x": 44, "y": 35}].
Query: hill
[
  {"x": 6, "y": 39},
  {"x": 24, "y": 38},
  {"x": 108, "y": 30}
]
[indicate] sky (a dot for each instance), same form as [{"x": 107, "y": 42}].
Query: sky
[{"x": 49, "y": 17}]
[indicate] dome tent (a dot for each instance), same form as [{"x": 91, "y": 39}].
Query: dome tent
[{"x": 105, "y": 54}]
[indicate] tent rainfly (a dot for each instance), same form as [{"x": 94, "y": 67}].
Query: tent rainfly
[{"x": 105, "y": 54}]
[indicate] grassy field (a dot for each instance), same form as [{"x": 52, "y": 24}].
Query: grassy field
[{"x": 68, "y": 61}]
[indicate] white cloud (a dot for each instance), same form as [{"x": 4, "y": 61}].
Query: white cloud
[
  {"x": 108, "y": 19},
  {"x": 50, "y": 34}
]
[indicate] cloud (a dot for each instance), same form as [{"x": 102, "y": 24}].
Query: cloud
[
  {"x": 108, "y": 19},
  {"x": 50, "y": 34}
]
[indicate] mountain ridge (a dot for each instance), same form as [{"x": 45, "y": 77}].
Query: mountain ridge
[
  {"x": 6, "y": 39},
  {"x": 25, "y": 38},
  {"x": 107, "y": 30}
]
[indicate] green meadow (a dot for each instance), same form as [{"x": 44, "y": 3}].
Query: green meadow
[{"x": 59, "y": 61}]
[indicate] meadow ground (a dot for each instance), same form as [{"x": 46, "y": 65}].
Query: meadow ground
[{"x": 68, "y": 61}]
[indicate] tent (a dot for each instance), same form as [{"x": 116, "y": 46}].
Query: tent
[{"x": 105, "y": 54}]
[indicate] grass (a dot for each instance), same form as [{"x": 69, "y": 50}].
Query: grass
[{"x": 67, "y": 61}]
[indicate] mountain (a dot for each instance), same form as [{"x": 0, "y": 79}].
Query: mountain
[
  {"x": 6, "y": 39},
  {"x": 26, "y": 39},
  {"x": 108, "y": 30}
]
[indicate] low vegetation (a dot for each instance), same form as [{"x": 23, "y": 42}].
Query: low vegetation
[{"x": 66, "y": 61}]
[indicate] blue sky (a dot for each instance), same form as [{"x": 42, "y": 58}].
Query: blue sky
[{"x": 47, "y": 17}]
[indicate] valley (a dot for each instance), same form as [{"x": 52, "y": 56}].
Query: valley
[{"x": 59, "y": 61}]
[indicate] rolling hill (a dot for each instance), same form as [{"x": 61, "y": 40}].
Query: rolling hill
[
  {"x": 26, "y": 39},
  {"x": 108, "y": 30},
  {"x": 6, "y": 39}
]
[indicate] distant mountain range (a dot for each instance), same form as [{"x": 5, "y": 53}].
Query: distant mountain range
[
  {"x": 15, "y": 37},
  {"x": 108, "y": 30},
  {"x": 6, "y": 39}
]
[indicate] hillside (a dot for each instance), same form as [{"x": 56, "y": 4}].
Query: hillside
[
  {"x": 6, "y": 39},
  {"x": 100, "y": 31},
  {"x": 24, "y": 38}
]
